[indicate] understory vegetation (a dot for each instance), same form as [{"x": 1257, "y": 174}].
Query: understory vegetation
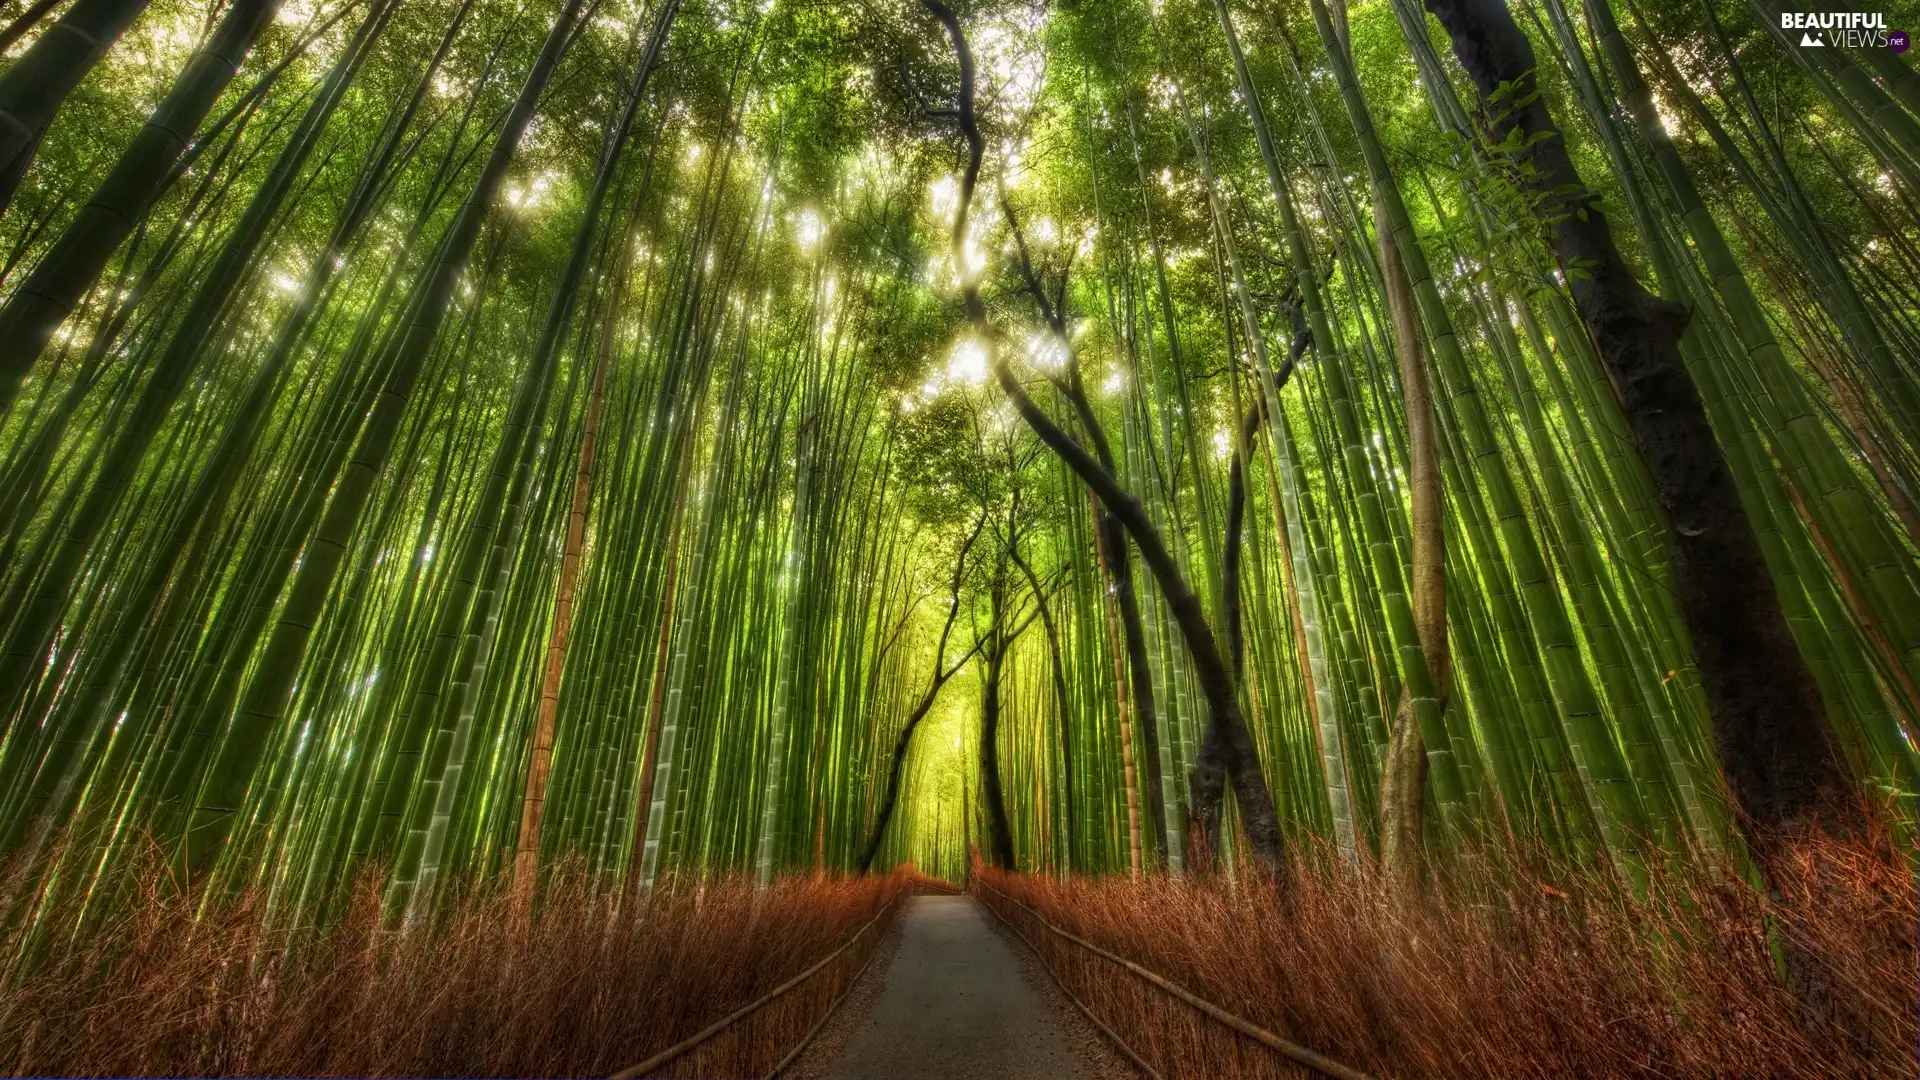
[
  {"x": 1521, "y": 972},
  {"x": 589, "y": 987}
]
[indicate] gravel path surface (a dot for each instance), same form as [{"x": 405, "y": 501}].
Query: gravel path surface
[
  {"x": 820, "y": 1057},
  {"x": 1098, "y": 1058},
  {"x": 954, "y": 1004}
]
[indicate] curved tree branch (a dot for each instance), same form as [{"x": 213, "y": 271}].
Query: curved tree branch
[
  {"x": 941, "y": 675},
  {"x": 1227, "y": 724}
]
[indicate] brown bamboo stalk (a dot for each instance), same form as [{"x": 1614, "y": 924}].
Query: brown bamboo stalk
[
  {"x": 540, "y": 761},
  {"x": 1403, "y": 777}
]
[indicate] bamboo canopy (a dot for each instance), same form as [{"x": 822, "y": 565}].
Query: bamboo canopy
[{"x": 671, "y": 436}]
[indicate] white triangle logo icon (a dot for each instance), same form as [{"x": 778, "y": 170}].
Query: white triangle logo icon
[{"x": 1808, "y": 41}]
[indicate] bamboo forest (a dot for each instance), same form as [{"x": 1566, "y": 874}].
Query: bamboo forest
[{"x": 959, "y": 538}]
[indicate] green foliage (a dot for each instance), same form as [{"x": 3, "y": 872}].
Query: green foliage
[{"x": 770, "y": 283}]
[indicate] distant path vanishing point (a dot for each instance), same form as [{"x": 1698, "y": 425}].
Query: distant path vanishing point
[{"x": 954, "y": 1006}]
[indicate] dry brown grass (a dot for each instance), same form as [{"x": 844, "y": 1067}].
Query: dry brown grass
[
  {"x": 1538, "y": 977},
  {"x": 585, "y": 990}
]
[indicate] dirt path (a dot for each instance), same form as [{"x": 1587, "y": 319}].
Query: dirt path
[{"x": 954, "y": 1005}]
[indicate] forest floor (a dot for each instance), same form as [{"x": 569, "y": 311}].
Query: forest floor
[{"x": 957, "y": 999}]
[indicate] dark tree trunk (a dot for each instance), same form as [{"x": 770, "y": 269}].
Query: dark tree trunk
[
  {"x": 1115, "y": 556},
  {"x": 1237, "y": 490},
  {"x": 1226, "y": 723},
  {"x": 125, "y": 194},
  {"x": 1775, "y": 748},
  {"x": 998, "y": 642},
  {"x": 1236, "y": 756},
  {"x": 1206, "y": 827},
  {"x": 1114, "y": 545},
  {"x": 1236, "y": 520},
  {"x": 1768, "y": 724},
  {"x": 901, "y": 744},
  {"x": 36, "y": 84},
  {"x": 999, "y": 832},
  {"x": 941, "y": 673},
  {"x": 25, "y": 22}
]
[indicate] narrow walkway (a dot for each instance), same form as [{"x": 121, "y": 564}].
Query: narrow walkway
[{"x": 954, "y": 1006}]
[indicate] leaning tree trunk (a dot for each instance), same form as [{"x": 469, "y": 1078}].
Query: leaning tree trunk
[
  {"x": 267, "y": 694},
  {"x": 1266, "y": 405},
  {"x": 71, "y": 267},
  {"x": 999, "y": 832},
  {"x": 941, "y": 673},
  {"x": 1110, "y": 541},
  {"x": 1769, "y": 727},
  {"x": 1228, "y": 726},
  {"x": 1767, "y": 717},
  {"x": 36, "y": 84}
]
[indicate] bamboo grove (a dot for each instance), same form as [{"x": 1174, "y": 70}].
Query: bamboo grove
[{"x": 460, "y": 436}]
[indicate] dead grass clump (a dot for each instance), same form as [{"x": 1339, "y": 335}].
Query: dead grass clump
[
  {"x": 1525, "y": 974},
  {"x": 586, "y": 989}
]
